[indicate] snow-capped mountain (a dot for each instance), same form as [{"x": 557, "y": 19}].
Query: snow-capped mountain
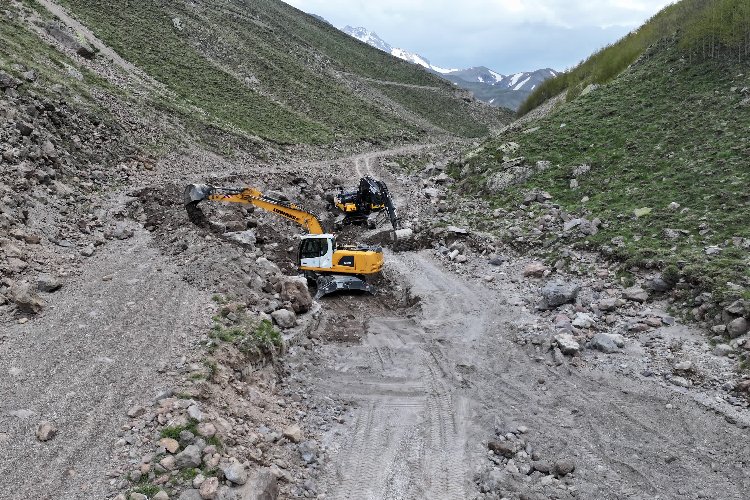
[{"x": 490, "y": 86}]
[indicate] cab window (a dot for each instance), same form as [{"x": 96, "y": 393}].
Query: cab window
[{"x": 311, "y": 249}]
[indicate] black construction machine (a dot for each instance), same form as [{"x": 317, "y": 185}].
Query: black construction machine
[{"x": 369, "y": 205}]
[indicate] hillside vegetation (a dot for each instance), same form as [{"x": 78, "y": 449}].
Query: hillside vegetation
[
  {"x": 267, "y": 69},
  {"x": 668, "y": 136},
  {"x": 705, "y": 29}
]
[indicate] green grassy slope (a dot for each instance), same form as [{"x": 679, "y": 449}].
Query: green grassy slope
[
  {"x": 264, "y": 68},
  {"x": 665, "y": 131},
  {"x": 704, "y": 28}
]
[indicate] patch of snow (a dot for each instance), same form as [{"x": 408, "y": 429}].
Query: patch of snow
[
  {"x": 492, "y": 101},
  {"x": 444, "y": 71},
  {"x": 411, "y": 57},
  {"x": 520, "y": 85},
  {"x": 481, "y": 80},
  {"x": 498, "y": 77},
  {"x": 514, "y": 79}
]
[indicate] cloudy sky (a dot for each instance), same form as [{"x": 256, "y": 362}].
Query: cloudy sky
[{"x": 506, "y": 35}]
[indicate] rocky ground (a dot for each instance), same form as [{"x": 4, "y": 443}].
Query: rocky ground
[{"x": 149, "y": 352}]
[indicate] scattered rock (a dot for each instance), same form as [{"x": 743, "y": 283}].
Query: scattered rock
[
  {"x": 583, "y": 320},
  {"x": 636, "y": 294},
  {"x": 25, "y": 300},
  {"x": 284, "y": 318},
  {"x": 46, "y": 431},
  {"x": 294, "y": 290},
  {"x": 557, "y": 293},
  {"x": 684, "y": 366},
  {"x": 206, "y": 429},
  {"x": 723, "y": 350},
  {"x": 737, "y": 328},
  {"x": 567, "y": 343},
  {"x": 502, "y": 448},
  {"x": 535, "y": 270},
  {"x": 261, "y": 485},
  {"x": 169, "y": 444},
  {"x": 48, "y": 283},
  {"x": 564, "y": 467},
  {"x": 293, "y": 433},
  {"x": 235, "y": 473},
  {"x": 189, "y": 458},
  {"x": 209, "y": 489},
  {"x": 607, "y": 343},
  {"x": 136, "y": 411},
  {"x": 642, "y": 212},
  {"x": 680, "y": 381}
]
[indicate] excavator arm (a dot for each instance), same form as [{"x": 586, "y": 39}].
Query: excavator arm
[{"x": 195, "y": 193}]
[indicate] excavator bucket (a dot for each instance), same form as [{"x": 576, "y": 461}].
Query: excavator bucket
[
  {"x": 341, "y": 283},
  {"x": 195, "y": 193}
]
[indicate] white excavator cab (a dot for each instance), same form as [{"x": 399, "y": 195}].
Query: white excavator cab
[{"x": 316, "y": 251}]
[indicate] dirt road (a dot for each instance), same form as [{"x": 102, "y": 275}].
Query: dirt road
[
  {"x": 92, "y": 355},
  {"x": 431, "y": 389}
]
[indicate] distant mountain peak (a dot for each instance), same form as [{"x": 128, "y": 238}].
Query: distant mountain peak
[
  {"x": 488, "y": 85},
  {"x": 369, "y": 37}
]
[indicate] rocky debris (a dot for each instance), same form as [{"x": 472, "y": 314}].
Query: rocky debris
[
  {"x": 46, "y": 431},
  {"x": 284, "y": 318},
  {"x": 136, "y": 411},
  {"x": 260, "y": 485},
  {"x": 293, "y": 433},
  {"x": 567, "y": 343},
  {"x": 169, "y": 444},
  {"x": 503, "y": 448},
  {"x": 189, "y": 458},
  {"x": 209, "y": 488},
  {"x": 636, "y": 294},
  {"x": 26, "y": 301},
  {"x": 564, "y": 467},
  {"x": 535, "y": 270},
  {"x": 235, "y": 473},
  {"x": 294, "y": 290},
  {"x": 607, "y": 343},
  {"x": 737, "y": 327},
  {"x": 557, "y": 293},
  {"x": 723, "y": 350}
]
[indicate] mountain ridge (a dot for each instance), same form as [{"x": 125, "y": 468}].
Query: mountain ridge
[{"x": 487, "y": 85}]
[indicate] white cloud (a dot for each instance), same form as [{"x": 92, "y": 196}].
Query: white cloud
[{"x": 453, "y": 33}]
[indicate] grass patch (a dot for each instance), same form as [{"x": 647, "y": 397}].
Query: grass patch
[{"x": 665, "y": 131}]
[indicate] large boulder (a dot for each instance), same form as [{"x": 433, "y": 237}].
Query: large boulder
[
  {"x": 295, "y": 291},
  {"x": 737, "y": 328},
  {"x": 557, "y": 293}
]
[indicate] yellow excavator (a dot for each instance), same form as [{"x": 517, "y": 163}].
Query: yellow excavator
[{"x": 320, "y": 259}]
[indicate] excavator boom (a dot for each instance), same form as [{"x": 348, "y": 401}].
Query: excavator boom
[{"x": 195, "y": 193}]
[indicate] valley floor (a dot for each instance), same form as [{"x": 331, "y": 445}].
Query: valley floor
[{"x": 435, "y": 397}]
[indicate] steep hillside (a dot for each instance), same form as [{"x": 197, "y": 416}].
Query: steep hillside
[
  {"x": 266, "y": 69},
  {"x": 703, "y": 28},
  {"x": 659, "y": 156}
]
